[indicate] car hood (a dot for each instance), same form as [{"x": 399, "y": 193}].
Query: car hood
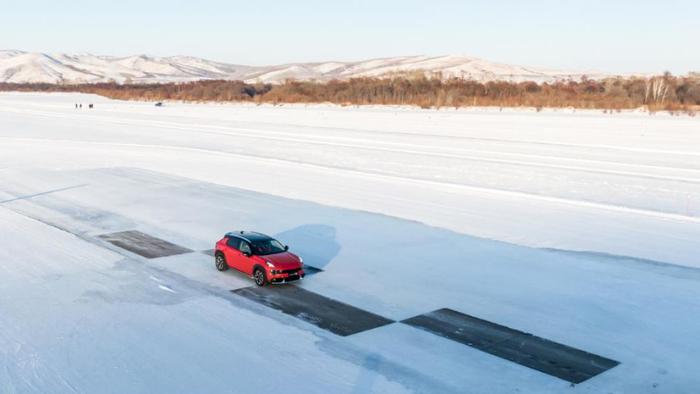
[{"x": 283, "y": 260}]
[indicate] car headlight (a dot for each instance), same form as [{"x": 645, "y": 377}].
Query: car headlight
[{"x": 269, "y": 264}]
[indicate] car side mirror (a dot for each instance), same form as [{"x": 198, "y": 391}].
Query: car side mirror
[{"x": 286, "y": 248}]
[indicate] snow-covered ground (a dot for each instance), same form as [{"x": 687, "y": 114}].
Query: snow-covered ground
[{"x": 578, "y": 227}]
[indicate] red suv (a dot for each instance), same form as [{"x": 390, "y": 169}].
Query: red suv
[{"x": 262, "y": 257}]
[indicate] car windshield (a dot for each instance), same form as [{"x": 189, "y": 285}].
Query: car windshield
[{"x": 267, "y": 246}]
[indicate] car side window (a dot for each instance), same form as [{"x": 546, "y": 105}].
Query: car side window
[
  {"x": 245, "y": 247},
  {"x": 233, "y": 242}
]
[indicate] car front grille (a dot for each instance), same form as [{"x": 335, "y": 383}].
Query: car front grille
[
  {"x": 289, "y": 278},
  {"x": 294, "y": 271}
]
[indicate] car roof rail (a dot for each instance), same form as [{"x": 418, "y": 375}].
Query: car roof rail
[{"x": 248, "y": 235}]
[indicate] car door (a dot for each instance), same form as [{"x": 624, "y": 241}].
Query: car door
[
  {"x": 234, "y": 258},
  {"x": 246, "y": 260}
]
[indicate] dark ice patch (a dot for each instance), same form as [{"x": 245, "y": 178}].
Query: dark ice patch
[
  {"x": 143, "y": 244},
  {"x": 552, "y": 358},
  {"x": 337, "y": 317},
  {"x": 309, "y": 270}
]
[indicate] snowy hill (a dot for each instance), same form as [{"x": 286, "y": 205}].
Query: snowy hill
[
  {"x": 25, "y": 67},
  {"x": 22, "y": 67}
]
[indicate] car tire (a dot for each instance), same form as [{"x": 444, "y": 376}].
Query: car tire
[
  {"x": 220, "y": 262},
  {"x": 259, "y": 277}
]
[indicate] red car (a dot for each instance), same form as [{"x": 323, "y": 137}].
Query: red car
[{"x": 262, "y": 257}]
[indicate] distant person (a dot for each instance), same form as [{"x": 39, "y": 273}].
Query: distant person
[
  {"x": 76, "y": 105},
  {"x": 81, "y": 105},
  {"x": 90, "y": 106}
]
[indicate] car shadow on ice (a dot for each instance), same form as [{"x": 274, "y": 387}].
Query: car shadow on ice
[{"x": 316, "y": 243}]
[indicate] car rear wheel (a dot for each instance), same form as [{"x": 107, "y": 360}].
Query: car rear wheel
[
  {"x": 221, "y": 264},
  {"x": 259, "y": 277}
]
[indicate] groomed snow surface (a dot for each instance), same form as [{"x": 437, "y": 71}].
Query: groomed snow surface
[{"x": 578, "y": 227}]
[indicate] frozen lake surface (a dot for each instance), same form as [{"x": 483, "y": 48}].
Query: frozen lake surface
[{"x": 579, "y": 228}]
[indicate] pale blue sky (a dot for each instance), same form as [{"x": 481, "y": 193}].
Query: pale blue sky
[{"x": 614, "y": 36}]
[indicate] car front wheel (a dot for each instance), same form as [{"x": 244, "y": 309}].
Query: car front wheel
[
  {"x": 221, "y": 264},
  {"x": 259, "y": 277}
]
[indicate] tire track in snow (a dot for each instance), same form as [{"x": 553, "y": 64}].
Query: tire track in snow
[
  {"x": 334, "y": 170},
  {"x": 450, "y": 136},
  {"x": 274, "y": 136}
]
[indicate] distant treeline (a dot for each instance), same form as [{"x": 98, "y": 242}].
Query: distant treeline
[{"x": 664, "y": 92}]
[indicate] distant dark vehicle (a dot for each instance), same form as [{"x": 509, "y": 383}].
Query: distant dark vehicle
[{"x": 159, "y": 104}]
